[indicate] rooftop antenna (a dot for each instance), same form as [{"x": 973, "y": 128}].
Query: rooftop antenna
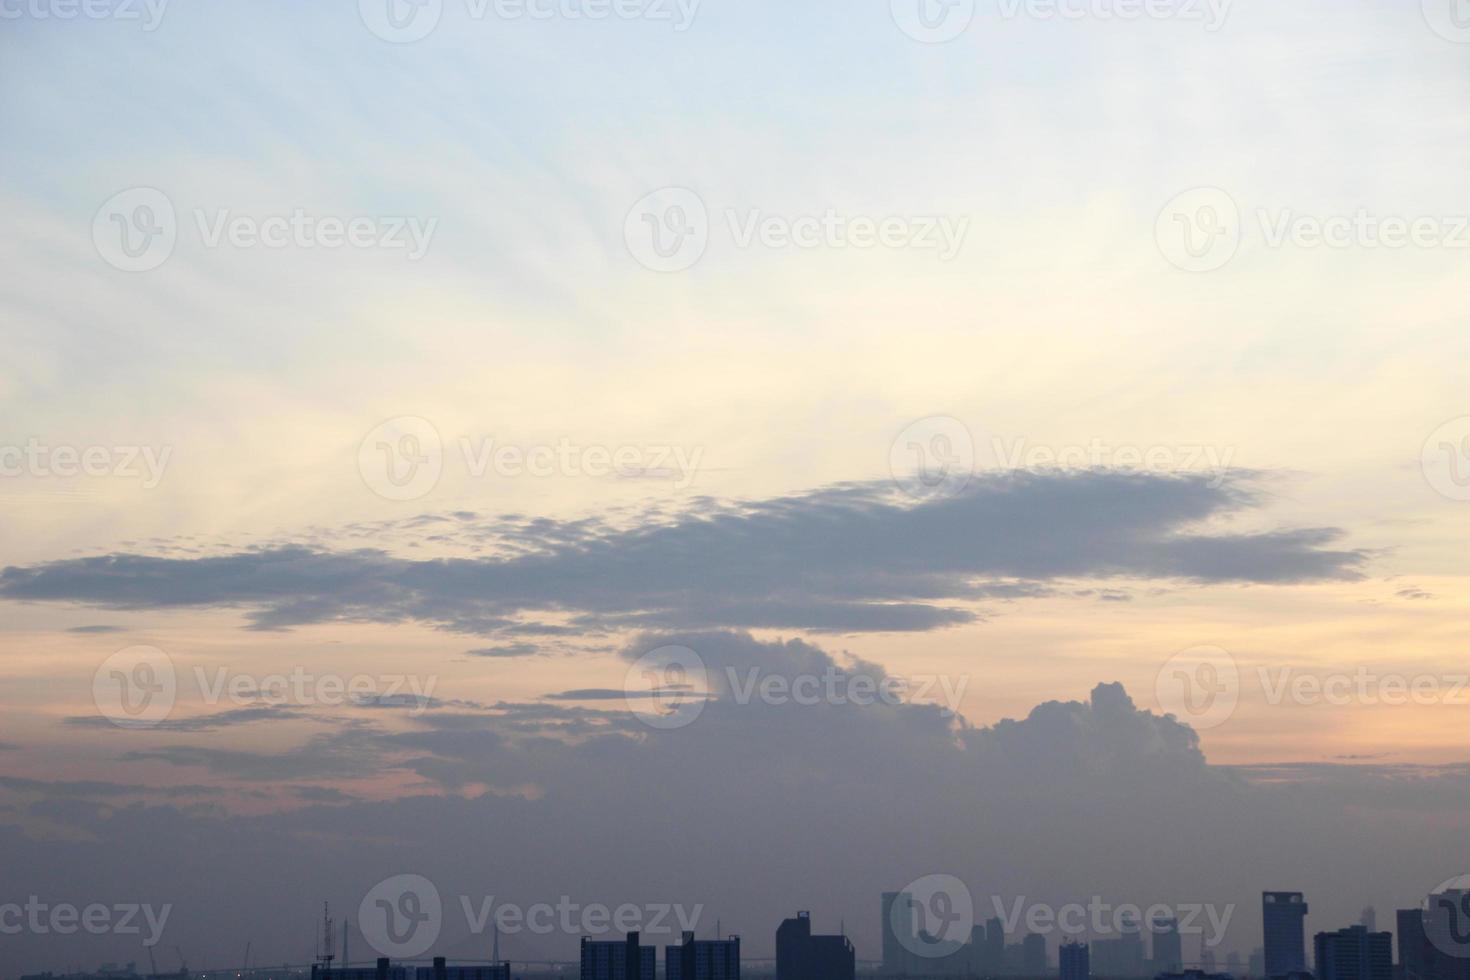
[
  {"x": 496, "y": 952},
  {"x": 346, "y": 928},
  {"x": 325, "y": 956}
]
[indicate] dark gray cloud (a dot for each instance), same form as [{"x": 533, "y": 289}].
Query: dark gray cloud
[
  {"x": 753, "y": 810},
  {"x": 845, "y": 559},
  {"x": 506, "y": 651}
]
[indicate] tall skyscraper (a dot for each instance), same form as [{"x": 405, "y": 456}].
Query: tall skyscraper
[
  {"x": 1168, "y": 946},
  {"x": 1429, "y": 939},
  {"x": 617, "y": 959},
  {"x": 897, "y": 924},
  {"x": 1033, "y": 955},
  {"x": 1284, "y": 926},
  {"x": 1074, "y": 961},
  {"x": 1354, "y": 953},
  {"x": 803, "y": 956},
  {"x": 703, "y": 959}
]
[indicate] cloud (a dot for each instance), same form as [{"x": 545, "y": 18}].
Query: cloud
[
  {"x": 850, "y": 558},
  {"x": 506, "y": 651},
  {"x": 753, "y": 810}
]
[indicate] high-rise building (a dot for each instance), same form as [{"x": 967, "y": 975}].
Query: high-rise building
[
  {"x": 1074, "y": 962},
  {"x": 703, "y": 959},
  {"x": 1427, "y": 938},
  {"x": 442, "y": 971},
  {"x": 898, "y": 931},
  {"x": 617, "y": 959},
  {"x": 1168, "y": 946},
  {"x": 1033, "y": 955},
  {"x": 803, "y": 956},
  {"x": 1283, "y": 924},
  {"x": 1354, "y": 953},
  {"x": 994, "y": 957},
  {"x": 384, "y": 970}
]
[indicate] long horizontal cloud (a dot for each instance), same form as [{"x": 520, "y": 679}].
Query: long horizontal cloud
[{"x": 843, "y": 559}]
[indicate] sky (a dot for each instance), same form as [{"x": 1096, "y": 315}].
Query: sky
[{"x": 738, "y": 455}]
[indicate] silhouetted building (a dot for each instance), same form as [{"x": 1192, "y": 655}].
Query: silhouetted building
[
  {"x": 383, "y": 970},
  {"x": 1354, "y": 953},
  {"x": 1193, "y": 975},
  {"x": 1445, "y": 920},
  {"x": 703, "y": 959},
  {"x": 803, "y": 956},
  {"x": 1121, "y": 957},
  {"x": 1168, "y": 946},
  {"x": 1257, "y": 965},
  {"x": 1283, "y": 924},
  {"x": 897, "y": 924},
  {"x": 1073, "y": 961},
  {"x": 994, "y": 958},
  {"x": 1033, "y": 955},
  {"x": 442, "y": 971},
  {"x": 617, "y": 959}
]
